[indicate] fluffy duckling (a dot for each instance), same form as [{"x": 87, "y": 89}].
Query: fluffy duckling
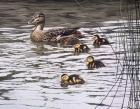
[
  {"x": 39, "y": 35},
  {"x": 92, "y": 64},
  {"x": 71, "y": 80},
  {"x": 97, "y": 41},
  {"x": 80, "y": 48}
]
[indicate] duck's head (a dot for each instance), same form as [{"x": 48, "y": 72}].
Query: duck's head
[
  {"x": 77, "y": 46},
  {"x": 38, "y": 18},
  {"x": 89, "y": 59},
  {"x": 78, "y": 34},
  {"x": 64, "y": 77},
  {"x": 96, "y": 37}
]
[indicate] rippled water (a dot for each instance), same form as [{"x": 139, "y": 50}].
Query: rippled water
[{"x": 30, "y": 77}]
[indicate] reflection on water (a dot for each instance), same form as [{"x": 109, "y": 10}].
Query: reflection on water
[{"x": 30, "y": 73}]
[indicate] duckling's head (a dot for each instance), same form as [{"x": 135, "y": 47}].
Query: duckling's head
[
  {"x": 96, "y": 37},
  {"x": 38, "y": 18},
  {"x": 77, "y": 46},
  {"x": 64, "y": 77},
  {"x": 89, "y": 59}
]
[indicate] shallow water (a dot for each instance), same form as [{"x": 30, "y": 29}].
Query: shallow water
[{"x": 30, "y": 76}]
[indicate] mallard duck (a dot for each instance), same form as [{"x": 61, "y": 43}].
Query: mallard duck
[
  {"x": 97, "y": 41},
  {"x": 50, "y": 36},
  {"x": 92, "y": 64},
  {"x": 78, "y": 34},
  {"x": 71, "y": 80},
  {"x": 80, "y": 48}
]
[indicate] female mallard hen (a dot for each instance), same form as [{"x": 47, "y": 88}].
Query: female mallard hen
[
  {"x": 71, "y": 80},
  {"x": 39, "y": 35},
  {"x": 97, "y": 41},
  {"x": 92, "y": 64}
]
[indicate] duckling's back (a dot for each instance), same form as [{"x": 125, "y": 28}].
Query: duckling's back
[{"x": 99, "y": 64}]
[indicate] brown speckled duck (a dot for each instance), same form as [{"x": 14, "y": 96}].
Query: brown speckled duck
[
  {"x": 92, "y": 64},
  {"x": 97, "y": 41},
  {"x": 80, "y": 48},
  {"x": 71, "y": 80},
  {"x": 71, "y": 40},
  {"x": 50, "y": 36}
]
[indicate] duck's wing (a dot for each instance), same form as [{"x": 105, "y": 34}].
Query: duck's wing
[
  {"x": 53, "y": 35},
  {"x": 62, "y": 31}
]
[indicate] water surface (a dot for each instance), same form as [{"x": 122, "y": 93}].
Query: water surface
[{"x": 30, "y": 76}]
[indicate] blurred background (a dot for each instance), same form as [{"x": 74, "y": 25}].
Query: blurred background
[{"x": 59, "y": 12}]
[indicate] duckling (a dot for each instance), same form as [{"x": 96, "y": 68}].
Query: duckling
[
  {"x": 71, "y": 80},
  {"x": 97, "y": 41},
  {"x": 80, "y": 48},
  {"x": 92, "y": 64},
  {"x": 39, "y": 35}
]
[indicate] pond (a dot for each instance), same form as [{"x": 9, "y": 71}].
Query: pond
[{"x": 30, "y": 77}]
